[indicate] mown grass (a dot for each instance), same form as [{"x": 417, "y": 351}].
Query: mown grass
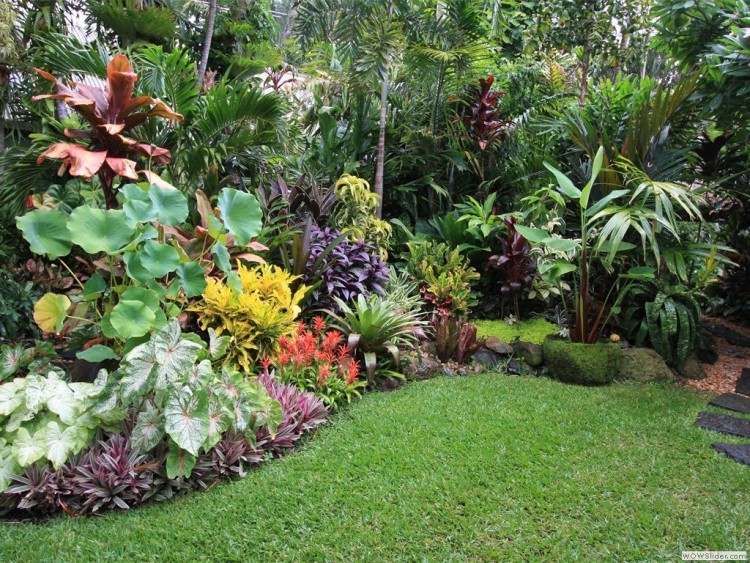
[{"x": 478, "y": 468}]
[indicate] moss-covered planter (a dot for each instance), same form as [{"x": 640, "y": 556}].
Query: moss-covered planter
[{"x": 585, "y": 364}]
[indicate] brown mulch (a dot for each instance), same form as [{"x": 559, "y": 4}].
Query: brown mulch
[{"x": 722, "y": 376}]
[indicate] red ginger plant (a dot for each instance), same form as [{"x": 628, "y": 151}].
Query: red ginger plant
[{"x": 111, "y": 111}]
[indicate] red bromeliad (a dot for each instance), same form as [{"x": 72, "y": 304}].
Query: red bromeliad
[
  {"x": 318, "y": 360},
  {"x": 111, "y": 112}
]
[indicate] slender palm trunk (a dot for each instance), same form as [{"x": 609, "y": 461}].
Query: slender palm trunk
[
  {"x": 380, "y": 163},
  {"x": 207, "y": 41}
]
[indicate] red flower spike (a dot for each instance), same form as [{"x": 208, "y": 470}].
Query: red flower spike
[
  {"x": 353, "y": 372},
  {"x": 319, "y": 324}
]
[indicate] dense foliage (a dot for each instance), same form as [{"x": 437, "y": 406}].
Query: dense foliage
[{"x": 225, "y": 218}]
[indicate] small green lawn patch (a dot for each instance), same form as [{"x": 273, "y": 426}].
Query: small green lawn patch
[
  {"x": 483, "y": 468},
  {"x": 532, "y": 330}
]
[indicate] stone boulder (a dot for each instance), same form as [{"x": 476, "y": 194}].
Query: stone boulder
[
  {"x": 498, "y": 346},
  {"x": 643, "y": 365},
  {"x": 693, "y": 369},
  {"x": 530, "y": 353}
]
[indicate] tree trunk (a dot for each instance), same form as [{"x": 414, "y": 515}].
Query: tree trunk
[
  {"x": 380, "y": 163},
  {"x": 584, "y": 78},
  {"x": 207, "y": 41}
]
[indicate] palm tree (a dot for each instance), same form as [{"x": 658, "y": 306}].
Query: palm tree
[
  {"x": 210, "y": 21},
  {"x": 367, "y": 39}
]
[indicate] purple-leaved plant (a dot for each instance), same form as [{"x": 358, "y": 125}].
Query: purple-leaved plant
[
  {"x": 348, "y": 270},
  {"x": 303, "y": 411}
]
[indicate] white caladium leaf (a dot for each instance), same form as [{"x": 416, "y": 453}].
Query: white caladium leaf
[
  {"x": 138, "y": 369},
  {"x": 217, "y": 345},
  {"x": 19, "y": 416},
  {"x": 28, "y": 449},
  {"x": 243, "y": 415},
  {"x": 148, "y": 430},
  {"x": 10, "y": 359},
  {"x": 269, "y": 415},
  {"x": 219, "y": 420},
  {"x": 63, "y": 402},
  {"x": 175, "y": 356},
  {"x": 8, "y": 467},
  {"x": 60, "y": 443},
  {"x": 200, "y": 375},
  {"x": 83, "y": 390},
  {"x": 11, "y": 396},
  {"x": 186, "y": 419},
  {"x": 37, "y": 392},
  {"x": 179, "y": 463}
]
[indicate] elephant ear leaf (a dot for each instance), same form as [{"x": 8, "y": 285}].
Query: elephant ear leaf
[
  {"x": 27, "y": 448},
  {"x": 50, "y": 312},
  {"x": 241, "y": 214},
  {"x": 169, "y": 204},
  {"x": 46, "y": 232},
  {"x": 186, "y": 419},
  {"x": 179, "y": 463},
  {"x": 97, "y": 230}
]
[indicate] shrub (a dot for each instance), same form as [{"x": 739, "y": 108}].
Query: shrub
[
  {"x": 355, "y": 214},
  {"x": 669, "y": 318},
  {"x": 443, "y": 275},
  {"x": 255, "y": 308},
  {"x": 16, "y": 307},
  {"x": 114, "y": 475},
  {"x": 585, "y": 364},
  {"x": 319, "y": 362},
  {"x": 110, "y": 475},
  {"x": 347, "y": 271}
]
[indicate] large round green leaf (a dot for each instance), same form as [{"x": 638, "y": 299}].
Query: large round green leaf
[
  {"x": 50, "y": 312},
  {"x": 97, "y": 230},
  {"x": 135, "y": 268},
  {"x": 170, "y": 206},
  {"x": 136, "y": 204},
  {"x": 241, "y": 214},
  {"x": 159, "y": 259},
  {"x": 132, "y": 318},
  {"x": 46, "y": 231},
  {"x": 192, "y": 278}
]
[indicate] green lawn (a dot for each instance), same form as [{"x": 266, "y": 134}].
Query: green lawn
[{"x": 477, "y": 468}]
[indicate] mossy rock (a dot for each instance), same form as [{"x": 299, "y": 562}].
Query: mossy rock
[
  {"x": 643, "y": 365},
  {"x": 532, "y": 330},
  {"x": 585, "y": 364}
]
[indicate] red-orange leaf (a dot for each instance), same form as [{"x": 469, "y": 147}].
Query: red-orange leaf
[
  {"x": 82, "y": 162},
  {"x": 123, "y": 167}
]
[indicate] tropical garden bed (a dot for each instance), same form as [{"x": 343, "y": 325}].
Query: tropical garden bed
[{"x": 220, "y": 231}]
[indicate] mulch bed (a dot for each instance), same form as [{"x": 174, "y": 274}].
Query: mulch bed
[{"x": 723, "y": 375}]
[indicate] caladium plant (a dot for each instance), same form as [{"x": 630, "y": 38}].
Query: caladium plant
[
  {"x": 47, "y": 418},
  {"x": 171, "y": 384},
  {"x": 111, "y": 111}
]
